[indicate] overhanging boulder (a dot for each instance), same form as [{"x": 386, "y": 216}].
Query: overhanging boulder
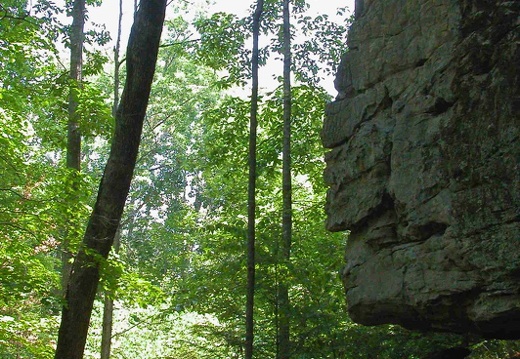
[{"x": 423, "y": 167}]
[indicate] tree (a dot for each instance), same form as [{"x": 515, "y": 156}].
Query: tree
[
  {"x": 108, "y": 308},
  {"x": 227, "y": 126},
  {"x": 284, "y": 306},
  {"x": 73, "y": 157},
  {"x": 142, "y": 52},
  {"x": 251, "y": 198}
]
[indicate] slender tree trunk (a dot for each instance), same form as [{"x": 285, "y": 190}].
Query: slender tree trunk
[
  {"x": 108, "y": 312},
  {"x": 108, "y": 308},
  {"x": 251, "y": 202},
  {"x": 142, "y": 52},
  {"x": 283, "y": 291},
  {"x": 73, "y": 133},
  {"x": 106, "y": 333},
  {"x": 116, "y": 59}
]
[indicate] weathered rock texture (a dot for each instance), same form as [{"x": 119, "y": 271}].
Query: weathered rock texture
[{"x": 424, "y": 165}]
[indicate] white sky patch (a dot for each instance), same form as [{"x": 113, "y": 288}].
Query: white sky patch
[{"x": 107, "y": 15}]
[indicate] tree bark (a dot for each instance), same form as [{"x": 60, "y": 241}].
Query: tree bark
[
  {"x": 283, "y": 291},
  {"x": 108, "y": 311},
  {"x": 116, "y": 59},
  {"x": 76, "y": 68},
  {"x": 142, "y": 52},
  {"x": 251, "y": 203},
  {"x": 106, "y": 333},
  {"x": 108, "y": 307},
  {"x": 73, "y": 160}
]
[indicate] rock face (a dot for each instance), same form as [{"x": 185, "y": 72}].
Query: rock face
[{"x": 424, "y": 165}]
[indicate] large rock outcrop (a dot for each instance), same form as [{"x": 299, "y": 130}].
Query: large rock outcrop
[{"x": 424, "y": 165}]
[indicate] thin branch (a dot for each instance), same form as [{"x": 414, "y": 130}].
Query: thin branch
[
  {"x": 19, "y": 18},
  {"x": 175, "y": 43},
  {"x": 6, "y": 15},
  {"x": 13, "y": 192},
  {"x": 147, "y": 320},
  {"x": 9, "y": 224},
  {"x": 51, "y": 199},
  {"x": 13, "y": 167}
]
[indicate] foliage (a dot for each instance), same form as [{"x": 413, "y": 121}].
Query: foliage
[
  {"x": 162, "y": 332},
  {"x": 221, "y": 47},
  {"x": 32, "y": 181},
  {"x": 179, "y": 280},
  {"x": 495, "y": 349},
  {"x": 27, "y": 184}
]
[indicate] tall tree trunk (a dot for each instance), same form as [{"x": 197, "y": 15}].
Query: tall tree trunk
[
  {"x": 251, "y": 202},
  {"x": 143, "y": 46},
  {"x": 106, "y": 332},
  {"x": 73, "y": 133},
  {"x": 116, "y": 60},
  {"x": 283, "y": 291},
  {"x": 108, "y": 312},
  {"x": 108, "y": 307}
]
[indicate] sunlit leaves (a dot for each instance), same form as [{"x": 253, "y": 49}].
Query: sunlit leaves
[
  {"x": 119, "y": 281},
  {"x": 94, "y": 112},
  {"x": 222, "y": 47},
  {"x": 33, "y": 209},
  {"x": 165, "y": 332},
  {"x": 320, "y": 51}
]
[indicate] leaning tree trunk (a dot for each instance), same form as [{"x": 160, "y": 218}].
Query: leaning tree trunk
[
  {"x": 108, "y": 307},
  {"x": 251, "y": 202},
  {"x": 142, "y": 52},
  {"x": 284, "y": 307}
]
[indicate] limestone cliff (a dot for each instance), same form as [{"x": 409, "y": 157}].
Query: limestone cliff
[{"x": 424, "y": 165}]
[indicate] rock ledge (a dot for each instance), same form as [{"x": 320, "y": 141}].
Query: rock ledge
[{"x": 423, "y": 167}]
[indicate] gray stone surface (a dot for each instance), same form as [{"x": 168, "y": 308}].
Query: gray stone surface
[{"x": 423, "y": 168}]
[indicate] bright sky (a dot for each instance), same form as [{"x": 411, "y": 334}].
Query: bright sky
[
  {"x": 107, "y": 14},
  {"x": 317, "y": 6}
]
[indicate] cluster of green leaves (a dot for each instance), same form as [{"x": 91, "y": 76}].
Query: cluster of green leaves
[
  {"x": 161, "y": 332},
  {"x": 222, "y": 47},
  {"x": 28, "y": 218},
  {"x": 33, "y": 182},
  {"x": 222, "y": 43}
]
